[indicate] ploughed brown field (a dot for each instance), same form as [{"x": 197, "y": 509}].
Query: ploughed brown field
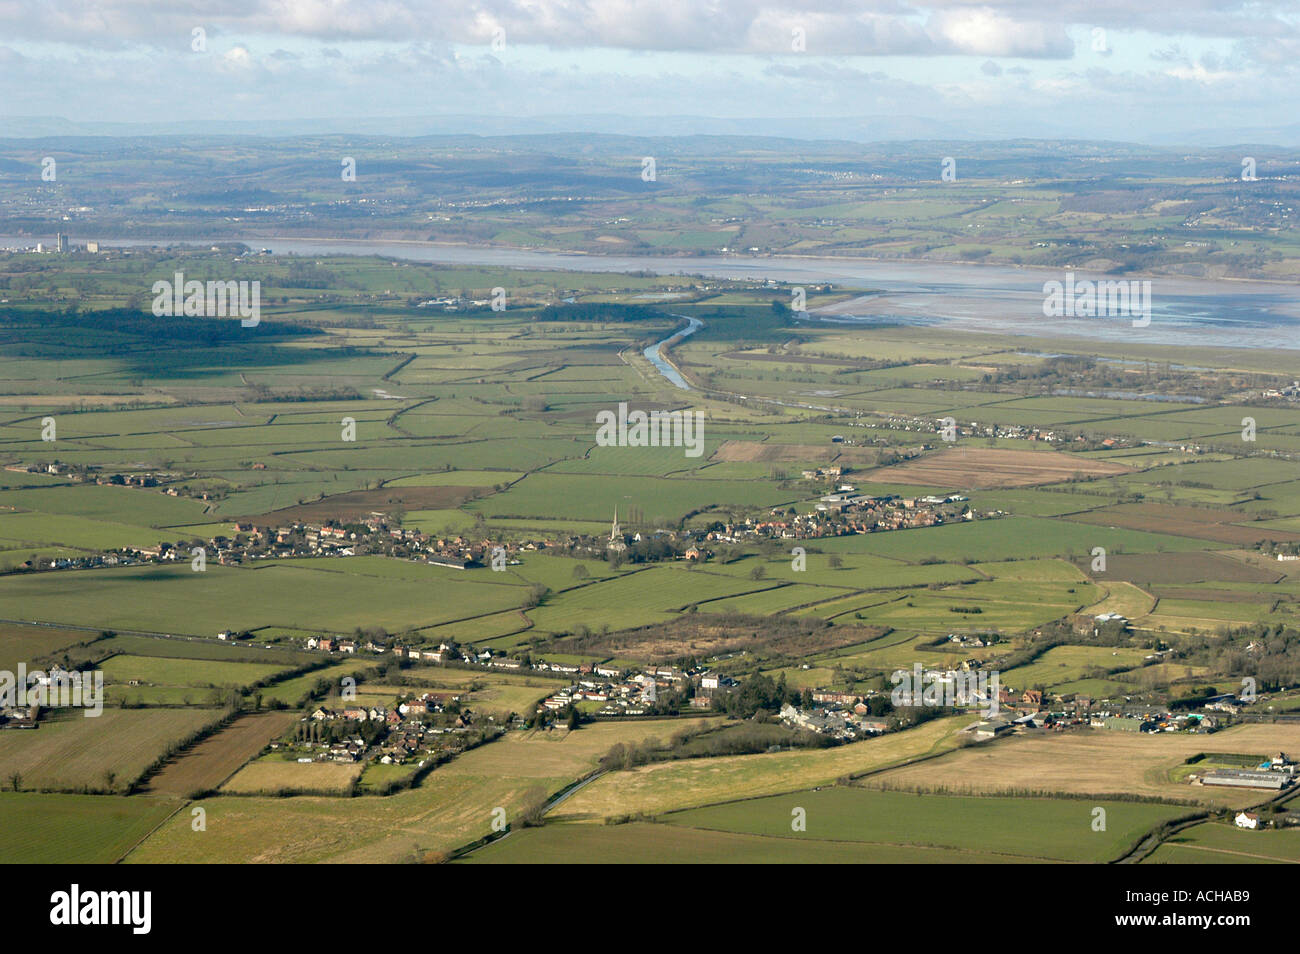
[
  {"x": 972, "y": 468},
  {"x": 220, "y": 755},
  {"x": 1181, "y": 568},
  {"x": 760, "y": 451},
  {"x": 1199, "y": 522},
  {"x": 359, "y": 504}
]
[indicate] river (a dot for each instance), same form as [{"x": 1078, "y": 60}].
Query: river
[
  {"x": 983, "y": 298},
  {"x": 654, "y": 353}
]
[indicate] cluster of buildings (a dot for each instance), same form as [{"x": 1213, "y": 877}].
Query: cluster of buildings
[
  {"x": 622, "y": 692},
  {"x": 411, "y": 728},
  {"x": 20, "y": 717},
  {"x": 928, "y": 425},
  {"x": 838, "y": 718},
  {"x": 90, "y": 473},
  {"x": 1273, "y": 775},
  {"x": 454, "y": 303},
  {"x": 63, "y": 245},
  {"x": 847, "y": 512},
  {"x": 1290, "y": 393}
]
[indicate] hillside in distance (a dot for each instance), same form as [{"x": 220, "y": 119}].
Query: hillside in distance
[{"x": 1112, "y": 207}]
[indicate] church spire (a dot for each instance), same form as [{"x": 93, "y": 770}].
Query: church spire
[{"x": 616, "y": 541}]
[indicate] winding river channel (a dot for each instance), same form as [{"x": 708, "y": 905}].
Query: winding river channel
[{"x": 654, "y": 353}]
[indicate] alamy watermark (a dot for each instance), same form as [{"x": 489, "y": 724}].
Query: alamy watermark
[
  {"x": 654, "y": 429},
  {"x": 947, "y": 688},
  {"x": 1098, "y": 299},
  {"x": 56, "y": 690},
  {"x": 195, "y": 299}
]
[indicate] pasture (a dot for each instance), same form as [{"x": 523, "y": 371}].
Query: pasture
[
  {"x": 49, "y": 828},
  {"x": 1056, "y": 829}
]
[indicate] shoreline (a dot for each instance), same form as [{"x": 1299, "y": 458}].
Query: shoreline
[{"x": 683, "y": 261}]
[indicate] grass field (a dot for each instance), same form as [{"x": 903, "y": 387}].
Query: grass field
[
  {"x": 39, "y": 829},
  {"x": 649, "y": 844},
  {"x": 1040, "y": 828},
  {"x": 26, "y": 644},
  {"x": 647, "y": 596},
  {"x": 1007, "y": 538},
  {"x": 181, "y": 601},
  {"x": 1064, "y": 664},
  {"x": 1220, "y": 843},
  {"x": 157, "y": 670},
  {"x": 292, "y": 691}
]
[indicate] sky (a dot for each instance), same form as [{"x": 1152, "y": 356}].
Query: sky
[{"x": 1200, "y": 72}]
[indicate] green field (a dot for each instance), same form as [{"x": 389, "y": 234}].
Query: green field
[
  {"x": 48, "y": 829},
  {"x": 1055, "y": 829},
  {"x": 1217, "y": 843},
  {"x": 180, "y": 601},
  {"x": 641, "y": 843}
]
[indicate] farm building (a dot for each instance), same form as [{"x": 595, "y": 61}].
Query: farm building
[
  {"x": 1127, "y": 725},
  {"x": 990, "y": 729},
  {"x": 1238, "y": 778}
]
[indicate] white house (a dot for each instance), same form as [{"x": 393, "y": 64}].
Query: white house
[{"x": 1247, "y": 820}]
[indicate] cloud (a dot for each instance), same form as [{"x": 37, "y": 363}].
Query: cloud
[
  {"x": 1184, "y": 62},
  {"x": 237, "y": 58},
  {"x": 1031, "y": 28},
  {"x": 986, "y": 32}
]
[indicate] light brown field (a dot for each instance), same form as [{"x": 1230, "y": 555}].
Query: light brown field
[
  {"x": 220, "y": 755},
  {"x": 971, "y": 468},
  {"x": 690, "y": 783},
  {"x": 275, "y": 776},
  {"x": 761, "y": 451},
  {"x": 357, "y": 504},
  {"x": 750, "y": 451},
  {"x": 1092, "y": 762},
  {"x": 75, "y": 752}
]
